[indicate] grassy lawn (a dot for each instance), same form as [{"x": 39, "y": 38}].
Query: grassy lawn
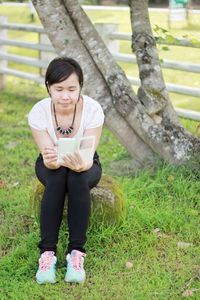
[
  {"x": 158, "y": 238},
  {"x": 180, "y": 29},
  {"x": 162, "y": 211}
]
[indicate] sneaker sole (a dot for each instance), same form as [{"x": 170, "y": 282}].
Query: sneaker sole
[
  {"x": 45, "y": 282},
  {"x": 74, "y": 281}
]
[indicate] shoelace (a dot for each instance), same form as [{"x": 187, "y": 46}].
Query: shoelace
[
  {"x": 46, "y": 260},
  {"x": 77, "y": 260}
]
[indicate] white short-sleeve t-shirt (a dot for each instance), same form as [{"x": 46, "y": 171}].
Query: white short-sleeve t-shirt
[{"x": 40, "y": 117}]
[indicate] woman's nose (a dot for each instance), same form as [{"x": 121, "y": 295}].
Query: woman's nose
[{"x": 66, "y": 96}]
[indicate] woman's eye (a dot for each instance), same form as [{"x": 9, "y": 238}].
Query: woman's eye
[{"x": 70, "y": 90}]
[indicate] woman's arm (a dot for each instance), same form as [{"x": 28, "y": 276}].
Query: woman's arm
[
  {"x": 47, "y": 148},
  {"x": 96, "y": 132}
]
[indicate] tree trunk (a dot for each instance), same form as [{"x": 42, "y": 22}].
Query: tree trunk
[
  {"x": 152, "y": 93},
  {"x": 147, "y": 120}
]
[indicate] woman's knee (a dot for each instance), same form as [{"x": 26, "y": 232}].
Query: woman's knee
[
  {"x": 77, "y": 180},
  {"x": 57, "y": 177}
]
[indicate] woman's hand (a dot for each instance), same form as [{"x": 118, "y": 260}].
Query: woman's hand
[
  {"x": 76, "y": 163},
  {"x": 50, "y": 157}
]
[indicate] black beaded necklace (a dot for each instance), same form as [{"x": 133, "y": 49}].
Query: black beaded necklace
[{"x": 59, "y": 128}]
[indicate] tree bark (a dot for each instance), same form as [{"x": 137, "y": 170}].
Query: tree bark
[
  {"x": 141, "y": 119},
  {"x": 152, "y": 92}
]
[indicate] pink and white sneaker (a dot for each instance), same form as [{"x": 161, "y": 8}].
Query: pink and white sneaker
[{"x": 46, "y": 272}]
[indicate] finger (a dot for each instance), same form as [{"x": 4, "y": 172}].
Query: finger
[
  {"x": 66, "y": 158},
  {"x": 50, "y": 157},
  {"x": 49, "y": 149},
  {"x": 77, "y": 161},
  {"x": 77, "y": 157},
  {"x": 71, "y": 159},
  {"x": 71, "y": 165},
  {"x": 66, "y": 162}
]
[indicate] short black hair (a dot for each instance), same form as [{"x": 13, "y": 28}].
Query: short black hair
[{"x": 60, "y": 68}]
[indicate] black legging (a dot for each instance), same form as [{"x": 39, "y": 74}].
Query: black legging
[{"x": 77, "y": 186}]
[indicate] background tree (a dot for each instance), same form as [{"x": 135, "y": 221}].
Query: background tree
[{"x": 146, "y": 124}]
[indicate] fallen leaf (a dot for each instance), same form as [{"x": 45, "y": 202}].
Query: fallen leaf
[
  {"x": 183, "y": 245},
  {"x": 2, "y": 184},
  {"x": 156, "y": 230},
  {"x": 129, "y": 265},
  {"x": 132, "y": 206},
  {"x": 15, "y": 184},
  {"x": 187, "y": 293},
  {"x": 11, "y": 145}
]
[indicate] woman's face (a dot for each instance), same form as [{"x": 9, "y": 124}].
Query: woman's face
[{"x": 65, "y": 93}]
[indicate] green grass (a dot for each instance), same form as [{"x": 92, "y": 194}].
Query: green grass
[
  {"x": 166, "y": 198},
  {"x": 180, "y": 29}
]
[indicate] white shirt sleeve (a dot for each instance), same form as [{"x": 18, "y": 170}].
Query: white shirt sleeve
[
  {"x": 37, "y": 117},
  {"x": 94, "y": 116}
]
